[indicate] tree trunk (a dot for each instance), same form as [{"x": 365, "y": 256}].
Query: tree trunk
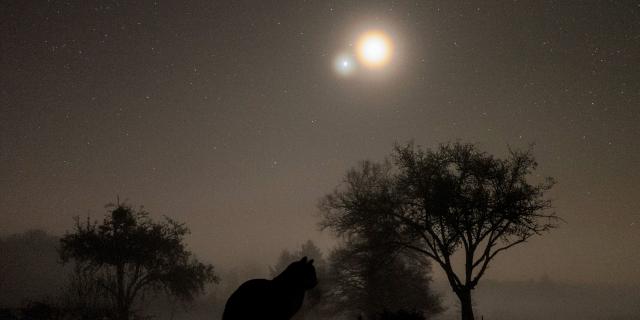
[
  {"x": 465, "y": 304},
  {"x": 121, "y": 303}
]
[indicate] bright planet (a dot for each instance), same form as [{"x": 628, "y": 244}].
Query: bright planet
[{"x": 344, "y": 64}]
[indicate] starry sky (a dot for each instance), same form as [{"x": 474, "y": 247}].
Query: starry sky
[{"x": 229, "y": 116}]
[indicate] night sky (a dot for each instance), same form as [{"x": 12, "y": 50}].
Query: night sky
[{"x": 231, "y": 118}]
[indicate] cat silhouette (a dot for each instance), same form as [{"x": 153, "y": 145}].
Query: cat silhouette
[{"x": 276, "y": 299}]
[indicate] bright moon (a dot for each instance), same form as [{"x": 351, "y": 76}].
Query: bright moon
[{"x": 374, "y": 49}]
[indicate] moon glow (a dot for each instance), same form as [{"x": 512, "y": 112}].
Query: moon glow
[{"x": 374, "y": 49}]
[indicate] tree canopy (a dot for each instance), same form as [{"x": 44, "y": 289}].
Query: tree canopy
[
  {"x": 129, "y": 254},
  {"x": 439, "y": 202}
]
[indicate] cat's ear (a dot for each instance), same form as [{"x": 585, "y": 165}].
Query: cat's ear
[
  {"x": 310, "y": 261},
  {"x": 304, "y": 259}
]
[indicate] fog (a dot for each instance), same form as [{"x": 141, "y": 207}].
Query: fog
[
  {"x": 31, "y": 271},
  {"x": 228, "y": 116}
]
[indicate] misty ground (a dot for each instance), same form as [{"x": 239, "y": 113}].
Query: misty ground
[
  {"x": 545, "y": 299},
  {"x": 527, "y": 300},
  {"x": 524, "y": 300},
  {"x": 30, "y": 271}
]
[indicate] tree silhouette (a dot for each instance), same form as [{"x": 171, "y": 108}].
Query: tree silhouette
[
  {"x": 369, "y": 279},
  {"x": 438, "y": 202},
  {"x": 83, "y": 298},
  {"x": 129, "y": 254}
]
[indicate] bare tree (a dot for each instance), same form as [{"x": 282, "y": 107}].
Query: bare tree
[{"x": 438, "y": 202}]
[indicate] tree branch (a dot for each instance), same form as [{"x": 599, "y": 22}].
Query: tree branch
[{"x": 491, "y": 256}]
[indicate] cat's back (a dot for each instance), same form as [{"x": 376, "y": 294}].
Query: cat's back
[
  {"x": 250, "y": 299},
  {"x": 277, "y": 299}
]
